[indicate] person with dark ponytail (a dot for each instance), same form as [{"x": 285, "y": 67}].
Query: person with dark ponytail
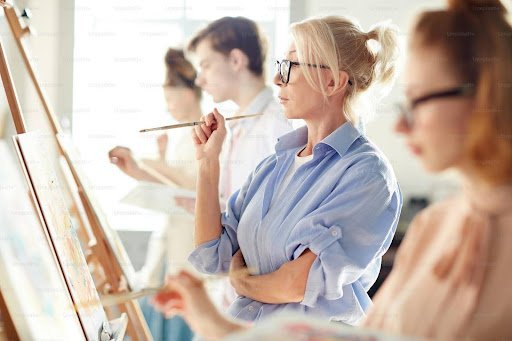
[
  {"x": 452, "y": 275},
  {"x": 183, "y": 103}
]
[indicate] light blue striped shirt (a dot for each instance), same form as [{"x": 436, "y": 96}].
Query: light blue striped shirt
[{"x": 343, "y": 205}]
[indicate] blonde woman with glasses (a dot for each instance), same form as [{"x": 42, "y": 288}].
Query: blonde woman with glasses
[{"x": 307, "y": 230}]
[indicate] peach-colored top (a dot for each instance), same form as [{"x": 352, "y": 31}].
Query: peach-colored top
[{"x": 453, "y": 273}]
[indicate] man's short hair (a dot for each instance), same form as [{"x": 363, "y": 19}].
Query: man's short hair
[{"x": 228, "y": 33}]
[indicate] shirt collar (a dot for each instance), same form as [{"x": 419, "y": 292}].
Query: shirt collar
[
  {"x": 259, "y": 102},
  {"x": 340, "y": 140},
  {"x": 256, "y": 106}
]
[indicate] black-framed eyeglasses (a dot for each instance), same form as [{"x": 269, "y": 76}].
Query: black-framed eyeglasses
[
  {"x": 284, "y": 69},
  {"x": 406, "y": 110}
]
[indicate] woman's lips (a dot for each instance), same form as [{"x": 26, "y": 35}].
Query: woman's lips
[
  {"x": 282, "y": 100},
  {"x": 415, "y": 149}
]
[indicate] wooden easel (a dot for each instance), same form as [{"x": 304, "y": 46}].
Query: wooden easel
[
  {"x": 7, "y": 329},
  {"x": 108, "y": 330},
  {"x": 99, "y": 250}
]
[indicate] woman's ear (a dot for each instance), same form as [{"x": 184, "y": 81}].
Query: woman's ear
[
  {"x": 332, "y": 88},
  {"x": 238, "y": 59}
]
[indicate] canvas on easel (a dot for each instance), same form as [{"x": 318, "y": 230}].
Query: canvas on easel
[
  {"x": 112, "y": 238},
  {"x": 32, "y": 150},
  {"x": 31, "y": 282}
]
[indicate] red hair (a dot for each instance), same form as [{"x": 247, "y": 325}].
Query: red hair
[{"x": 476, "y": 37}]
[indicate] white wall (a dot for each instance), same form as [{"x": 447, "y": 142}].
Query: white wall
[
  {"x": 50, "y": 50},
  {"x": 412, "y": 178}
]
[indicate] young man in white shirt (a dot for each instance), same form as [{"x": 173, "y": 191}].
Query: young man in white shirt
[{"x": 231, "y": 53}]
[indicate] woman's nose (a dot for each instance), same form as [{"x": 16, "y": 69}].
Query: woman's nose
[
  {"x": 199, "y": 80},
  {"x": 401, "y": 126},
  {"x": 277, "y": 79}
]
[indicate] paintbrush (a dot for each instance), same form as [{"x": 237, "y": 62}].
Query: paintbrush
[
  {"x": 122, "y": 297},
  {"x": 191, "y": 124}
]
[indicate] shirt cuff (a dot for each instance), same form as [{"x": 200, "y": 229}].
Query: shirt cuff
[
  {"x": 325, "y": 239},
  {"x": 207, "y": 257}
]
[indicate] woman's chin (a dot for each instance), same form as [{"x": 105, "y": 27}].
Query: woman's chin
[
  {"x": 291, "y": 114},
  {"x": 433, "y": 166}
]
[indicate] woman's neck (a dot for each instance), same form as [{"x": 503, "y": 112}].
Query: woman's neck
[
  {"x": 318, "y": 129},
  {"x": 485, "y": 196},
  {"x": 195, "y": 113}
]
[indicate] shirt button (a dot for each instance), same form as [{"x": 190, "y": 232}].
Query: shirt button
[
  {"x": 250, "y": 308},
  {"x": 334, "y": 233}
]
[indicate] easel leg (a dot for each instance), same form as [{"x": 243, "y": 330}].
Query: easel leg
[
  {"x": 8, "y": 324},
  {"x": 137, "y": 327}
]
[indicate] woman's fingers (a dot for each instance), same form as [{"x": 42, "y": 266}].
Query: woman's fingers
[
  {"x": 209, "y": 130},
  {"x": 210, "y": 125},
  {"x": 160, "y": 301},
  {"x": 114, "y": 151},
  {"x": 122, "y": 158},
  {"x": 206, "y": 130},
  {"x": 194, "y": 136},
  {"x": 118, "y": 154},
  {"x": 238, "y": 259},
  {"x": 203, "y": 131},
  {"x": 172, "y": 312},
  {"x": 219, "y": 119},
  {"x": 210, "y": 119},
  {"x": 187, "y": 279},
  {"x": 173, "y": 305},
  {"x": 169, "y": 307},
  {"x": 200, "y": 134}
]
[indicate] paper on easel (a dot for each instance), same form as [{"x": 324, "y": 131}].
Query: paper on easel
[{"x": 157, "y": 197}]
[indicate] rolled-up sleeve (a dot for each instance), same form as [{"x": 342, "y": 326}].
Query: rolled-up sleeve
[
  {"x": 349, "y": 232},
  {"x": 215, "y": 255}
]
